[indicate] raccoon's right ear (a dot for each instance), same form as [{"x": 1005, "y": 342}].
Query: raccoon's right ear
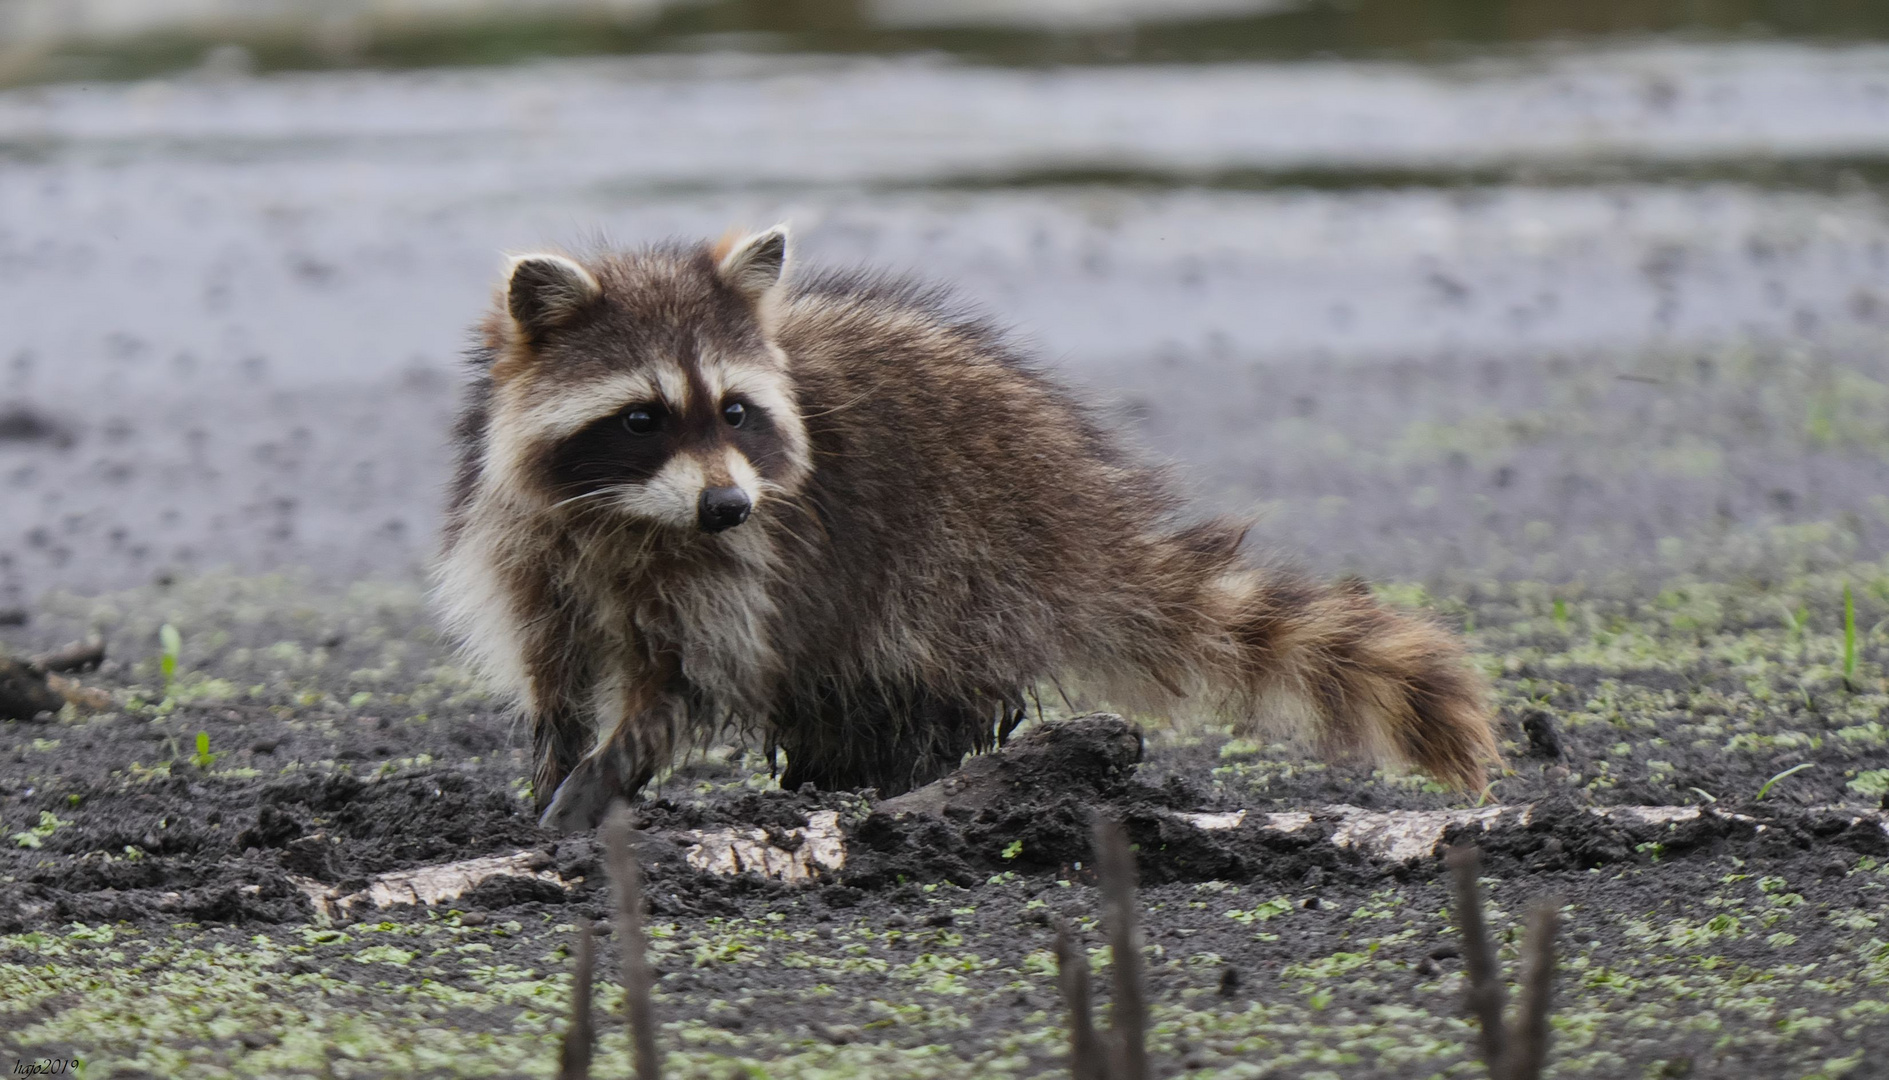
[{"x": 547, "y": 291}]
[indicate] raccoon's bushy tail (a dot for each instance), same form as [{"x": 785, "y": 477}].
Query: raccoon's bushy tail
[{"x": 1278, "y": 652}]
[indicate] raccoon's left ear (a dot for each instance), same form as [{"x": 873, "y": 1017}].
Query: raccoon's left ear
[{"x": 752, "y": 266}]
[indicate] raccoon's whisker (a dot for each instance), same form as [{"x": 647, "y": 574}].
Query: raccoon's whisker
[
  {"x": 842, "y": 406},
  {"x": 599, "y": 493}
]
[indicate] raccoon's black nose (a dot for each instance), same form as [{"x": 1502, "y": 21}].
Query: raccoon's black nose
[{"x": 722, "y": 508}]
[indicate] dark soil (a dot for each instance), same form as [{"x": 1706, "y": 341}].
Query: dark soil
[{"x": 1758, "y": 916}]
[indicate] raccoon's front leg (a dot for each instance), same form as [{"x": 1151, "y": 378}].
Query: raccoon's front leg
[
  {"x": 560, "y": 732},
  {"x": 641, "y": 740}
]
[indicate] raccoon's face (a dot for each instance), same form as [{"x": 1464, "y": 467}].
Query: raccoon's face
[{"x": 646, "y": 386}]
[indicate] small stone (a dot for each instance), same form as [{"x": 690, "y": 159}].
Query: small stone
[
  {"x": 1544, "y": 735},
  {"x": 839, "y": 1034},
  {"x": 24, "y": 693}
]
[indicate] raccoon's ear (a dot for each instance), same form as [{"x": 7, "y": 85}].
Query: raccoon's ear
[
  {"x": 753, "y": 265},
  {"x": 547, "y": 291}
]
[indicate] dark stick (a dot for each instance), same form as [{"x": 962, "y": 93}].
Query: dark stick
[
  {"x": 1072, "y": 973},
  {"x": 574, "y": 1056},
  {"x": 1128, "y": 1016},
  {"x": 1486, "y": 996},
  {"x": 626, "y": 881},
  {"x": 1528, "y": 1040}
]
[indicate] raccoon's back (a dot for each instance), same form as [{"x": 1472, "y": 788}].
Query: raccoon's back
[{"x": 963, "y": 507}]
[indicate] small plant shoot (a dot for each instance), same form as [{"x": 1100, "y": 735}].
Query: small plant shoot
[
  {"x": 1849, "y": 639},
  {"x": 1793, "y": 770},
  {"x": 203, "y": 759},
  {"x": 171, "y": 644}
]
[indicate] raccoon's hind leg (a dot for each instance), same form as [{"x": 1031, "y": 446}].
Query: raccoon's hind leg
[{"x": 877, "y": 736}]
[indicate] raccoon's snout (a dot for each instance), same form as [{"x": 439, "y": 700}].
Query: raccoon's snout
[{"x": 723, "y": 508}]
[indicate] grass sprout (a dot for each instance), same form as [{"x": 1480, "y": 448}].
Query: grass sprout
[
  {"x": 1849, "y": 639},
  {"x": 203, "y": 758},
  {"x": 172, "y": 646},
  {"x": 1787, "y": 772}
]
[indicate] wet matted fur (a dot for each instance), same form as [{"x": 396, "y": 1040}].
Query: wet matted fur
[{"x": 841, "y": 513}]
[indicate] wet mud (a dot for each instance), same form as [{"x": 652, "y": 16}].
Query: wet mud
[{"x": 1281, "y": 939}]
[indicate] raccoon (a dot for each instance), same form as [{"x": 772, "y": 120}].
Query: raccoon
[{"x": 838, "y": 511}]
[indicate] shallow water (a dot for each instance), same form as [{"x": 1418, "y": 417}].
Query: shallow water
[{"x": 239, "y": 301}]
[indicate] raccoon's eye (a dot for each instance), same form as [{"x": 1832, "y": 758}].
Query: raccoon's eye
[
  {"x": 641, "y": 421},
  {"x": 735, "y": 413}
]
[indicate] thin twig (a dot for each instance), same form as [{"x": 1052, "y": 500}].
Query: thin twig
[
  {"x": 1072, "y": 973},
  {"x": 574, "y": 1057},
  {"x": 1128, "y": 1016},
  {"x": 626, "y": 880},
  {"x": 1528, "y": 1039},
  {"x": 1485, "y": 996}
]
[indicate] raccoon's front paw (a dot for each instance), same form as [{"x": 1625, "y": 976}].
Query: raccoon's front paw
[{"x": 582, "y": 798}]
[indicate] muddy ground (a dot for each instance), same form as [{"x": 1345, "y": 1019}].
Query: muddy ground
[{"x": 154, "y": 925}]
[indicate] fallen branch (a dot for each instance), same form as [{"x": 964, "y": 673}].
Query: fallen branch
[
  {"x": 626, "y": 881},
  {"x": 574, "y": 1056}
]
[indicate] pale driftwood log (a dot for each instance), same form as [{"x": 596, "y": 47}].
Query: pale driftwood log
[
  {"x": 1128, "y": 1015},
  {"x": 626, "y": 881},
  {"x": 1086, "y": 1060},
  {"x": 580, "y": 1037}
]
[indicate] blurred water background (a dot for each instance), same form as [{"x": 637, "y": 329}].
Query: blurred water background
[{"x": 1448, "y": 290}]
